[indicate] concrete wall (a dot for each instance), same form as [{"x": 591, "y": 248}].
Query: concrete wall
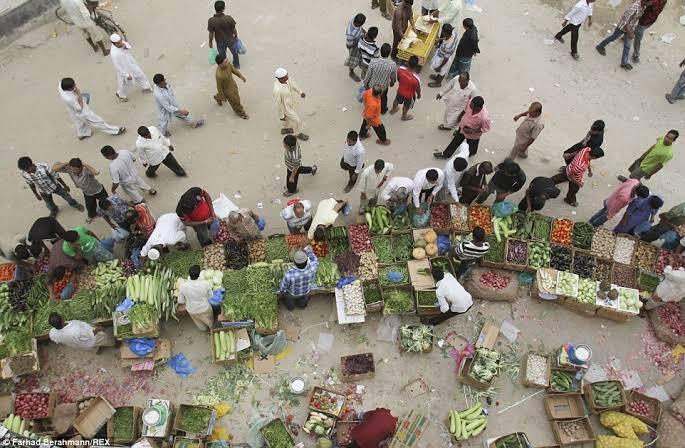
[{"x": 18, "y": 16}]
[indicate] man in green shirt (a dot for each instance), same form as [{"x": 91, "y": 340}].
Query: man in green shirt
[
  {"x": 668, "y": 221},
  {"x": 81, "y": 243},
  {"x": 655, "y": 158}
]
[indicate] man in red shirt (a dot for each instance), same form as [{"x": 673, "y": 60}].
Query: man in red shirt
[
  {"x": 195, "y": 210},
  {"x": 377, "y": 426},
  {"x": 574, "y": 172},
  {"x": 409, "y": 89},
  {"x": 372, "y": 115}
]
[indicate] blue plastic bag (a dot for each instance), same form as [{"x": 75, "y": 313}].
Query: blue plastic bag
[
  {"x": 217, "y": 296},
  {"x": 641, "y": 228},
  {"x": 399, "y": 209},
  {"x": 443, "y": 244},
  {"x": 136, "y": 258},
  {"x": 215, "y": 226},
  {"x": 394, "y": 276},
  {"x": 240, "y": 47},
  {"x": 670, "y": 239},
  {"x": 108, "y": 244},
  {"x": 141, "y": 346},
  {"x": 360, "y": 90},
  {"x": 503, "y": 209},
  {"x": 125, "y": 304},
  {"x": 261, "y": 224},
  {"x": 181, "y": 365},
  {"x": 211, "y": 56},
  {"x": 422, "y": 219},
  {"x": 345, "y": 281},
  {"x": 347, "y": 209}
]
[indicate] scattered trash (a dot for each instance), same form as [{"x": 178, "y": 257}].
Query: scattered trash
[
  {"x": 668, "y": 38},
  {"x": 658, "y": 392},
  {"x": 557, "y": 85},
  {"x": 344, "y": 109},
  {"x": 260, "y": 205},
  {"x": 636, "y": 118},
  {"x": 325, "y": 343},
  {"x": 202, "y": 45},
  {"x": 509, "y": 330},
  {"x": 237, "y": 196},
  {"x": 549, "y": 41},
  {"x": 531, "y": 89},
  {"x": 614, "y": 3}
]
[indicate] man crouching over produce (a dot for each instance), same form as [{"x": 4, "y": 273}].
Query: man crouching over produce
[
  {"x": 452, "y": 297},
  {"x": 299, "y": 280},
  {"x": 195, "y": 293},
  {"x": 378, "y": 425},
  {"x": 326, "y": 213},
  {"x": 78, "y": 334}
]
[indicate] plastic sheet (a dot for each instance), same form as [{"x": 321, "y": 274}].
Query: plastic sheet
[
  {"x": 180, "y": 364},
  {"x": 388, "y": 328},
  {"x": 125, "y": 304},
  {"x": 141, "y": 347},
  {"x": 268, "y": 345},
  {"x": 672, "y": 287}
]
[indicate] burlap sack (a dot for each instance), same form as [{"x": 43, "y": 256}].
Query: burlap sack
[
  {"x": 662, "y": 331},
  {"x": 483, "y": 292},
  {"x": 63, "y": 417},
  {"x": 671, "y": 432}
]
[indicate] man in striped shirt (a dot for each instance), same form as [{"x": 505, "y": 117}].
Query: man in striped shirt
[
  {"x": 574, "y": 172},
  {"x": 382, "y": 72},
  {"x": 353, "y": 34},
  {"x": 467, "y": 253},
  {"x": 293, "y": 164},
  {"x": 625, "y": 29},
  {"x": 368, "y": 49}
]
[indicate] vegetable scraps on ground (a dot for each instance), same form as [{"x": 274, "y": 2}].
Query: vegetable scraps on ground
[
  {"x": 468, "y": 423},
  {"x": 670, "y": 315},
  {"x": 416, "y": 338},
  {"x": 485, "y": 365}
]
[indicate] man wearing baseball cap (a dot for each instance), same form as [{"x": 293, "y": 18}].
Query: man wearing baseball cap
[
  {"x": 126, "y": 68},
  {"x": 300, "y": 279},
  {"x": 285, "y": 91}
]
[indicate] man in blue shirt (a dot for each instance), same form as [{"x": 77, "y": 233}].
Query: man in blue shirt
[{"x": 300, "y": 279}]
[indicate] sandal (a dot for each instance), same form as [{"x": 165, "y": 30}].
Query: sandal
[
  {"x": 244, "y": 116},
  {"x": 123, "y": 100},
  {"x": 384, "y": 143},
  {"x": 198, "y": 123},
  {"x": 572, "y": 204},
  {"x": 285, "y": 131},
  {"x": 121, "y": 130},
  {"x": 286, "y": 193},
  {"x": 443, "y": 128},
  {"x": 314, "y": 170}
]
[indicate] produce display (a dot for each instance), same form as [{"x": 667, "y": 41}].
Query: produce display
[
  {"x": 402, "y": 246},
  {"x": 318, "y": 424},
  {"x": 236, "y": 255},
  {"x": 647, "y": 282},
  {"x": 86, "y": 278},
  {"x": 18, "y": 294},
  {"x": 536, "y": 370},
  {"x": 503, "y": 227},
  {"x": 623, "y": 249},
  {"x": 368, "y": 266},
  {"x": 260, "y": 306},
  {"x": 143, "y": 318},
  {"x": 155, "y": 289},
  {"x": 641, "y": 407},
  {"x": 338, "y": 246},
  {"x": 195, "y": 419},
  {"x": 602, "y": 271},
  {"x": 582, "y": 235},
  {"x": 359, "y": 238},
  {"x": 327, "y": 274},
  {"x": 214, "y": 257},
  {"x": 59, "y": 285},
  {"x": 22, "y": 364},
  {"x": 645, "y": 256},
  {"x": 320, "y": 248},
  {"x": 587, "y": 291},
  {"x": 629, "y": 300},
  {"x": 564, "y": 382},
  {"x": 276, "y": 435},
  {"x": 179, "y": 262},
  {"x": 426, "y": 297},
  {"x": 18, "y": 425},
  {"x": 539, "y": 254},
  {"x": 397, "y": 300},
  {"x": 277, "y": 269},
  {"x": 372, "y": 293},
  {"x": 440, "y": 216},
  {"x": 234, "y": 281},
  {"x": 485, "y": 365},
  {"x": 607, "y": 295},
  {"x": 517, "y": 252},
  {"x": 256, "y": 250},
  {"x": 224, "y": 345},
  {"x": 15, "y": 341},
  {"x": 426, "y": 245},
  {"x": 494, "y": 280},
  {"x": 515, "y": 440},
  {"x": 9, "y": 317},
  {"x": 295, "y": 241},
  {"x": 603, "y": 243},
  {"x": 480, "y": 216},
  {"x": 567, "y": 284},
  {"x": 541, "y": 228},
  {"x": 336, "y": 233},
  {"x": 276, "y": 248},
  {"x": 548, "y": 281},
  {"x": 32, "y": 406},
  {"x": 442, "y": 263},
  {"x": 624, "y": 275},
  {"x": 496, "y": 252},
  {"x": 400, "y": 221},
  {"x": 459, "y": 218},
  {"x": 468, "y": 423},
  {"x": 396, "y": 274},
  {"x": 327, "y": 401},
  {"x": 84, "y": 404},
  {"x": 607, "y": 394},
  {"x": 667, "y": 258},
  {"x": 416, "y": 338},
  {"x": 583, "y": 265},
  {"x": 573, "y": 430},
  {"x": 7, "y": 272},
  {"x": 562, "y": 231},
  {"x": 348, "y": 264},
  {"x": 353, "y": 297},
  {"x": 382, "y": 245},
  {"x": 379, "y": 220},
  {"x": 561, "y": 258},
  {"x": 123, "y": 425}
]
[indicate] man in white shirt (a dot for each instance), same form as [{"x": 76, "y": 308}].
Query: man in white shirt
[
  {"x": 427, "y": 183},
  {"x": 123, "y": 172},
  {"x": 77, "y": 334},
  {"x": 169, "y": 230},
  {"x": 454, "y": 170},
  {"x": 78, "y": 12},
  {"x": 456, "y": 94},
  {"x": 572, "y": 22},
  {"x": 452, "y": 298},
  {"x": 352, "y": 159},
  {"x": 154, "y": 149},
  {"x": 167, "y": 107},
  {"x": 80, "y": 113},
  {"x": 397, "y": 192},
  {"x": 371, "y": 181},
  {"x": 326, "y": 213},
  {"x": 195, "y": 294},
  {"x": 126, "y": 68},
  {"x": 298, "y": 216}
]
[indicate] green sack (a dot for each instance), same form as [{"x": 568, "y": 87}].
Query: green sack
[{"x": 212, "y": 56}]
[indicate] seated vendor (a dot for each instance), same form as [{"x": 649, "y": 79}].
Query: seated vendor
[
  {"x": 326, "y": 213},
  {"x": 378, "y": 425},
  {"x": 242, "y": 225},
  {"x": 61, "y": 284}
]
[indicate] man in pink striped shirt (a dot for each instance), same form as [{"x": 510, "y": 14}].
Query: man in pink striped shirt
[
  {"x": 618, "y": 200},
  {"x": 473, "y": 122},
  {"x": 575, "y": 171}
]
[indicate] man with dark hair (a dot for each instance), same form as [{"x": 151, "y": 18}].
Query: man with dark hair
[
  {"x": 474, "y": 121},
  {"x": 649, "y": 16},
  {"x": 594, "y": 139},
  {"x": 227, "y": 89},
  {"x": 222, "y": 28},
  {"x": 113, "y": 210},
  {"x": 575, "y": 171},
  {"x": 195, "y": 294},
  {"x": 42, "y": 230},
  {"x": 353, "y": 34},
  {"x": 123, "y": 172},
  {"x": 573, "y": 21},
  {"x": 640, "y": 212},
  {"x": 14, "y": 249},
  {"x": 669, "y": 220},
  {"x": 408, "y": 89},
  {"x": 466, "y": 49},
  {"x": 285, "y": 94},
  {"x": 402, "y": 18},
  {"x": 618, "y": 200},
  {"x": 446, "y": 47},
  {"x": 196, "y": 210},
  {"x": 81, "y": 115},
  {"x": 293, "y": 165},
  {"x": 326, "y": 213},
  {"x": 44, "y": 182},
  {"x": 456, "y": 94},
  {"x": 474, "y": 182},
  {"x": 83, "y": 176},
  {"x": 625, "y": 29},
  {"x": 427, "y": 184},
  {"x": 509, "y": 178},
  {"x": 528, "y": 130},
  {"x": 154, "y": 149},
  {"x": 167, "y": 107},
  {"x": 382, "y": 72},
  {"x": 539, "y": 191},
  {"x": 468, "y": 253},
  {"x": 352, "y": 159},
  {"x": 454, "y": 170},
  {"x": 77, "y": 334},
  {"x": 371, "y": 181},
  {"x": 368, "y": 49},
  {"x": 139, "y": 220},
  {"x": 372, "y": 116},
  {"x": 299, "y": 280},
  {"x": 655, "y": 158},
  {"x": 452, "y": 298},
  {"x": 82, "y": 244}
]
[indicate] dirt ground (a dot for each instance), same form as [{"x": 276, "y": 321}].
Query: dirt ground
[{"x": 243, "y": 159}]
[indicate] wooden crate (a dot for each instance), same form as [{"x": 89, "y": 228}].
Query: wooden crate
[
  {"x": 137, "y": 412},
  {"x": 386, "y": 289},
  {"x": 597, "y": 409},
  {"x": 564, "y": 440},
  {"x": 52, "y": 402},
  {"x": 420, "y": 281},
  {"x": 651, "y": 267},
  {"x": 656, "y": 406},
  {"x": 6, "y": 370},
  {"x": 564, "y": 406},
  {"x": 584, "y": 309},
  {"x": 242, "y": 343},
  {"x": 341, "y": 396},
  {"x": 376, "y": 306},
  {"x": 443, "y": 260},
  {"x": 524, "y": 369},
  {"x": 162, "y": 351},
  {"x": 179, "y": 416},
  {"x": 614, "y": 314},
  {"x": 575, "y": 383},
  {"x": 94, "y": 417},
  {"x": 425, "y": 310},
  {"x": 358, "y": 376},
  {"x": 632, "y": 283},
  {"x": 555, "y": 221},
  {"x": 514, "y": 266}
]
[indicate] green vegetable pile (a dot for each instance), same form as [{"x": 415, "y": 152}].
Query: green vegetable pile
[
  {"x": 607, "y": 394},
  {"x": 278, "y": 268},
  {"x": 234, "y": 281},
  {"x": 587, "y": 291},
  {"x": 564, "y": 382},
  {"x": 485, "y": 365},
  {"x": 402, "y": 246},
  {"x": 384, "y": 271},
  {"x": 276, "y": 248},
  {"x": 426, "y": 298},
  {"x": 258, "y": 277},
  {"x": 40, "y": 318},
  {"x": 400, "y": 221},
  {"x": 539, "y": 254},
  {"x": 338, "y": 247},
  {"x": 397, "y": 300},
  {"x": 416, "y": 338},
  {"x": 260, "y": 306},
  {"x": 382, "y": 245},
  {"x": 9, "y": 317},
  {"x": 567, "y": 284},
  {"x": 14, "y": 342},
  {"x": 179, "y": 262},
  {"x": 327, "y": 274},
  {"x": 143, "y": 317},
  {"x": 336, "y": 233},
  {"x": 516, "y": 440},
  {"x": 276, "y": 435},
  {"x": 195, "y": 420},
  {"x": 582, "y": 235},
  {"x": 38, "y": 294},
  {"x": 648, "y": 282},
  {"x": 123, "y": 426},
  {"x": 379, "y": 220},
  {"x": 496, "y": 253},
  {"x": 542, "y": 227},
  {"x": 372, "y": 293}
]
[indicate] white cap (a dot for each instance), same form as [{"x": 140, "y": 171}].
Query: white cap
[
  {"x": 114, "y": 38},
  {"x": 281, "y": 73},
  {"x": 153, "y": 254}
]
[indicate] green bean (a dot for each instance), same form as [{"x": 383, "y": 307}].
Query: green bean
[{"x": 382, "y": 245}]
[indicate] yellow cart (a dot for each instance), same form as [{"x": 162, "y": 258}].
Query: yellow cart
[{"x": 422, "y": 48}]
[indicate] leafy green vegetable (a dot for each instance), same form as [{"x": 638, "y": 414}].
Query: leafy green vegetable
[
  {"x": 194, "y": 419},
  {"x": 276, "y": 435},
  {"x": 397, "y": 300},
  {"x": 123, "y": 426},
  {"x": 276, "y": 248},
  {"x": 179, "y": 262},
  {"x": 382, "y": 245}
]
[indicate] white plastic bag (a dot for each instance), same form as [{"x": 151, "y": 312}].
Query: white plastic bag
[
  {"x": 388, "y": 328},
  {"x": 223, "y": 206},
  {"x": 672, "y": 287}
]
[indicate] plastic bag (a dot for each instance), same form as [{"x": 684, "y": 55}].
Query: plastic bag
[
  {"x": 399, "y": 209},
  {"x": 211, "y": 56},
  {"x": 217, "y": 296},
  {"x": 672, "y": 287},
  {"x": 125, "y": 304},
  {"x": 181, "y": 365},
  {"x": 422, "y": 219},
  {"x": 525, "y": 278},
  {"x": 395, "y": 276},
  {"x": 141, "y": 346},
  {"x": 503, "y": 209},
  {"x": 254, "y": 436},
  {"x": 268, "y": 345},
  {"x": 443, "y": 244},
  {"x": 215, "y": 226},
  {"x": 388, "y": 328},
  {"x": 669, "y": 240},
  {"x": 240, "y": 47},
  {"x": 223, "y": 206},
  {"x": 261, "y": 223},
  {"x": 641, "y": 228},
  {"x": 119, "y": 234},
  {"x": 345, "y": 281},
  {"x": 360, "y": 90}
]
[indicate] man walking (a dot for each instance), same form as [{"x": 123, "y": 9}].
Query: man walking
[
  {"x": 402, "y": 18},
  {"x": 654, "y": 159},
  {"x": 372, "y": 116},
  {"x": 371, "y": 181},
  {"x": 80, "y": 113},
  {"x": 575, "y": 171},
  {"x": 167, "y": 107},
  {"x": 226, "y": 87},
  {"x": 618, "y": 200},
  {"x": 79, "y": 14},
  {"x": 649, "y": 16},
  {"x": 474, "y": 121},
  {"x": 409, "y": 88},
  {"x": 293, "y": 165},
  {"x": 195, "y": 293},
  {"x": 573, "y": 21},
  {"x": 126, "y": 68},
  {"x": 441, "y": 62},
  {"x": 353, "y": 34},
  {"x": 466, "y": 49},
  {"x": 44, "y": 182},
  {"x": 284, "y": 93},
  {"x": 456, "y": 94},
  {"x": 352, "y": 159},
  {"x": 222, "y": 28},
  {"x": 625, "y": 29},
  {"x": 122, "y": 170},
  {"x": 368, "y": 49},
  {"x": 382, "y": 72},
  {"x": 154, "y": 149},
  {"x": 83, "y": 176},
  {"x": 474, "y": 182},
  {"x": 528, "y": 130},
  {"x": 299, "y": 280},
  {"x": 508, "y": 178}
]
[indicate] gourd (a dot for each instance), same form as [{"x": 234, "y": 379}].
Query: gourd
[{"x": 419, "y": 253}]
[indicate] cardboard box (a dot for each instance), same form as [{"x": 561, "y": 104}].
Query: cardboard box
[
  {"x": 386, "y": 289},
  {"x": 404, "y": 349},
  {"x": 52, "y": 401},
  {"x": 162, "y": 351},
  {"x": 242, "y": 342},
  {"x": 339, "y": 397},
  {"x": 6, "y": 370},
  {"x": 416, "y": 388},
  {"x": 94, "y": 417},
  {"x": 418, "y": 280},
  {"x": 276, "y": 421},
  {"x": 564, "y": 406},
  {"x": 410, "y": 428},
  {"x": 187, "y": 442},
  {"x": 654, "y": 404},
  {"x": 488, "y": 335},
  {"x": 164, "y": 429},
  {"x": 520, "y": 436},
  {"x": 524, "y": 370},
  {"x": 511, "y": 266},
  {"x": 179, "y": 417},
  {"x": 466, "y": 378},
  {"x": 597, "y": 409},
  {"x": 146, "y": 442},
  {"x": 377, "y": 306},
  {"x": 6, "y": 404},
  {"x": 575, "y": 383},
  {"x": 136, "y": 426},
  {"x": 586, "y": 435},
  {"x": 349, "y": 378},
  {"x": 426, "y": 310}
]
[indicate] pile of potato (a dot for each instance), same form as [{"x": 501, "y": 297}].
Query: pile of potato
[
  {"x": 256, "y": 250},
  {"x": 214, "y": 257}
]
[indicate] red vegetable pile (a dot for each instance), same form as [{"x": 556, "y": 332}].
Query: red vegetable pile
[
  {"x": 495, "y": 280},
  {"x": 671, "y": 316},
  {"x": 640, "y": 407},
  {"x": 517, "y": 252},
  {"x": 667, "y": 258},
  {"x": 440, "y": 218},
  {"x": 359, "y": 238},
  {"x": 222, "y": 234},
  {"x": 31, "y": 405}
]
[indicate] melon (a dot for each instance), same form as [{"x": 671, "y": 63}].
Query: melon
[
  {"x": 431, "y": 249},
  {"x": 420, "y": 243},
  {"x": 430, "y": 236},
  {"x": 419, "y": 253}
]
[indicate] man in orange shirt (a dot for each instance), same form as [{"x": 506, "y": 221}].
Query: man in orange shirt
[{"x": 372, "y": 115}]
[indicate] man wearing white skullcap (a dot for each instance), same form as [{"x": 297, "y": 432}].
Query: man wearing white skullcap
[
  {"x": 78, "y": 12},
  {"x": 284, "y": 93},
  {"x": 126, "y": 68}
]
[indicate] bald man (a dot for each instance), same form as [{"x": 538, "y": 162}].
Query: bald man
[{"x": 528, "y": 130}]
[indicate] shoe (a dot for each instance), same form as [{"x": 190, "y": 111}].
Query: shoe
[
  {"x": 79, "y": 207},
  {"x": 374, "y": 6},
  {"x": 197, "y": 124},
  {"x": 354, "y": 77},
  {"x": 407, "y": 117},
  {"x": 365, "y": 136},
  {"x": 439, "y": 155},
  {"x": 601, "y": 51},
  {"x": 121, "y": 130},
  {"x": 668, "y": 98},
  {"x": 442, "y": 127},
  {"x": 387, "y": 16},
  {"x": 285, "y": 131},
  {"x": 286, "y": 193},
  {"x": 182, "y": 174},
  {"x": 123, "y": 100},
  {"x": 626, "y": 66},
  {"x": 385, "y": 142},
  {"x": 559, "y": 38},
  {"x": 348, "y": 188},
  {"x": 575, "y": 56},
  {"x": 244, "y": 116},
  {"x": 572, "y": 204},
  {"x": 435, "y": 84},
  {"x": 167, "y": 134},
  {"x": 621, "y": 178},
  {"x": 434, "y": 77},
  {"x": 83, "y": 137},
  {"x": 314, "y": 170},
  {"x": 303, "y": 137},
  {"x": 636, "y": 59},
  {"x": 218, "y": 101},
  {"x": 54, "y": 212}
]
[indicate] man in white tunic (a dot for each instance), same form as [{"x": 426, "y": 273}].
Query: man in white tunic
[
  {"x": 155, "y": 149},
  {"x": 397, "y": 192},
  {"x": 454, "y": 170},
  {"x": 169, "y": 231},
  {"x": 195, "y": 294},
  {"x": 285, "y": 91},
  {"x": 79, "y": 14},
  {"x": 167, "y": 107},
  {"x": 127, "y": 68},
  {"x": 123, "y": 171},
  {"x": 83, "y": 117},
  {"x": 371, "y": 181},
  {"x": 449, "y": 12},
  {"x": 77, "y": 334},
  {"x": 441, "y": 62},
  {"x": 456, "y": 94}
]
